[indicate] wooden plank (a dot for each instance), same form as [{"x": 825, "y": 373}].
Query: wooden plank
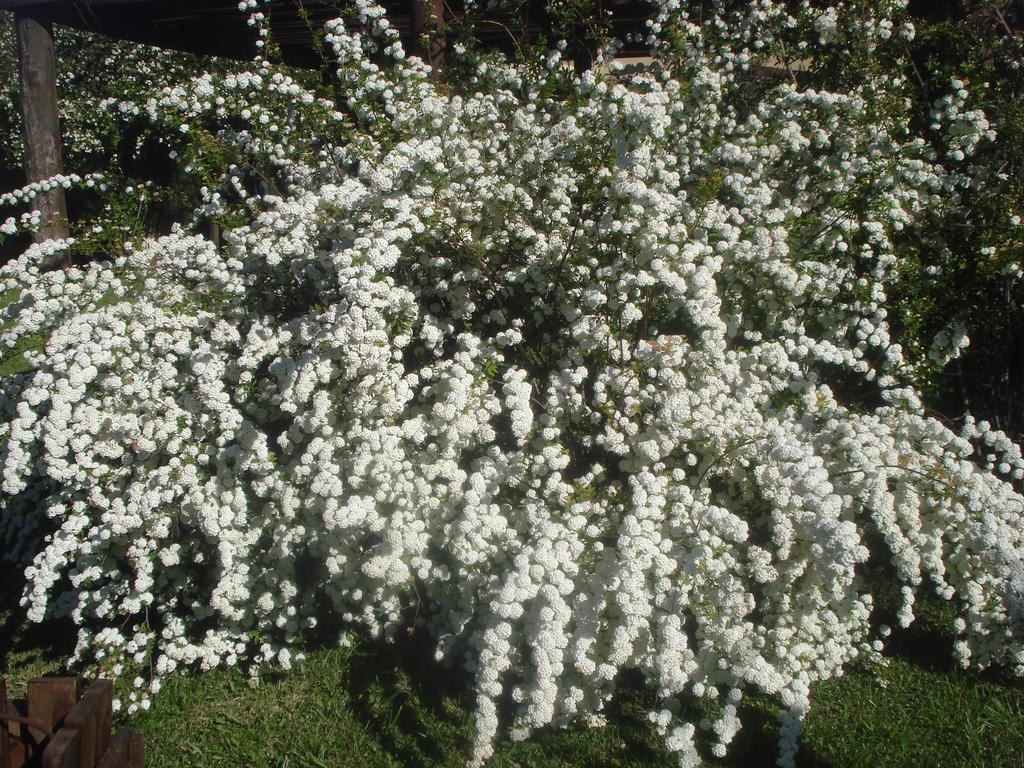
[
  {"x": 49, "y": 701},
  {"x": 91, "y": 717},
  {"x": 37, "y": 66},
  {"x": 17, "y": 757},
  {"x": 63, "y": 750},
  {"x": 26, "y": 749},
  {"x": 16, "y": 735},
  {"x": 103, "y": 691},
  {"x": 6, "y": 756},
  {"x": 127, "y": 749},
  {"x": 136, "y": 751},
  {"x": 116, "y": 755},
  {"x": 82, "y": 718}
]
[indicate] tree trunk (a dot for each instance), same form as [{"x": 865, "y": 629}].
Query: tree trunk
[
  {"x": 428, "y": 21},
  {"x": 40, "y": 121}
]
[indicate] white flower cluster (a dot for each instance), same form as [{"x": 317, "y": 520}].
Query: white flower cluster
[
  {"x": 559, "y": 367},
  {"x": 963, "y": 129},
  {"x": 29, "y": 192},
  {"x": 30, "y": 220},
  {"x": 948, "y": 344},
  {"x": 826, "y": 24}
]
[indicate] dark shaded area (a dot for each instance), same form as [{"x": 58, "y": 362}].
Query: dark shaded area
[
  {"x": 958, "y": 10},
  {"x": 402, "y": 694},
  {"x": 31, "y": 642},
  {"x": 217, "y": 27}
]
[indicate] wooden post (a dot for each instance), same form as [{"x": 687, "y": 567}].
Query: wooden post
[
  {"x": 13, "y": 736},
  {"x": 91, "y": 718},
  {"x": 49, "y": 701},
  {"x": 116, "y": 755},
  {"x": 127, "y": 750},
  {"x": 63, "y": 750},
  {"x": 428, "y": 20},
  {"x": 6, "y": 758},
  {"x": 40, "y": 121},
  {"x": 136, "y": 751}
]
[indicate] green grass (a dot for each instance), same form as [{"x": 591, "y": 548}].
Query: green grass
[
  {"x": 390, "y": 705},
  {"x": 907, "y": 715},
  {"x": 376, "y": 706},
  {"x": 14, "y": 361}
]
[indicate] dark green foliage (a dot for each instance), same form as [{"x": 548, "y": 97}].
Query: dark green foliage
[{"x": 959, "y": 268}]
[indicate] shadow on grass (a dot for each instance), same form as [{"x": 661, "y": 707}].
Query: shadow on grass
[
  {"x": 925, "y": 646},
  {"x": 411, "y": 705},
  {"x": 418, "y": 712},
  {"x": 28, "y": 649},
  {"x": 757, "y": 743}
]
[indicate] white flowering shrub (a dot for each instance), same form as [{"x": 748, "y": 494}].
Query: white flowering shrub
[{"x": 583, "y": 373}]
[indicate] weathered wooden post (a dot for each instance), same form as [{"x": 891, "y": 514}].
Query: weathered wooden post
[
  {"x": 40, "y": 121},
  {"x": 57, "y": 729},
  {"x": 428, "y": 20},
  {"x": 6, "y": 754},
  {"x": 49, "y": 700}
]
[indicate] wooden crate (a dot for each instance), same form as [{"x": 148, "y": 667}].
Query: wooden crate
[{"x": 59, "y": 725}]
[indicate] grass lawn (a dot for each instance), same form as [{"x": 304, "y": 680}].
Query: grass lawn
[{"x": 389, "y": 705}]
